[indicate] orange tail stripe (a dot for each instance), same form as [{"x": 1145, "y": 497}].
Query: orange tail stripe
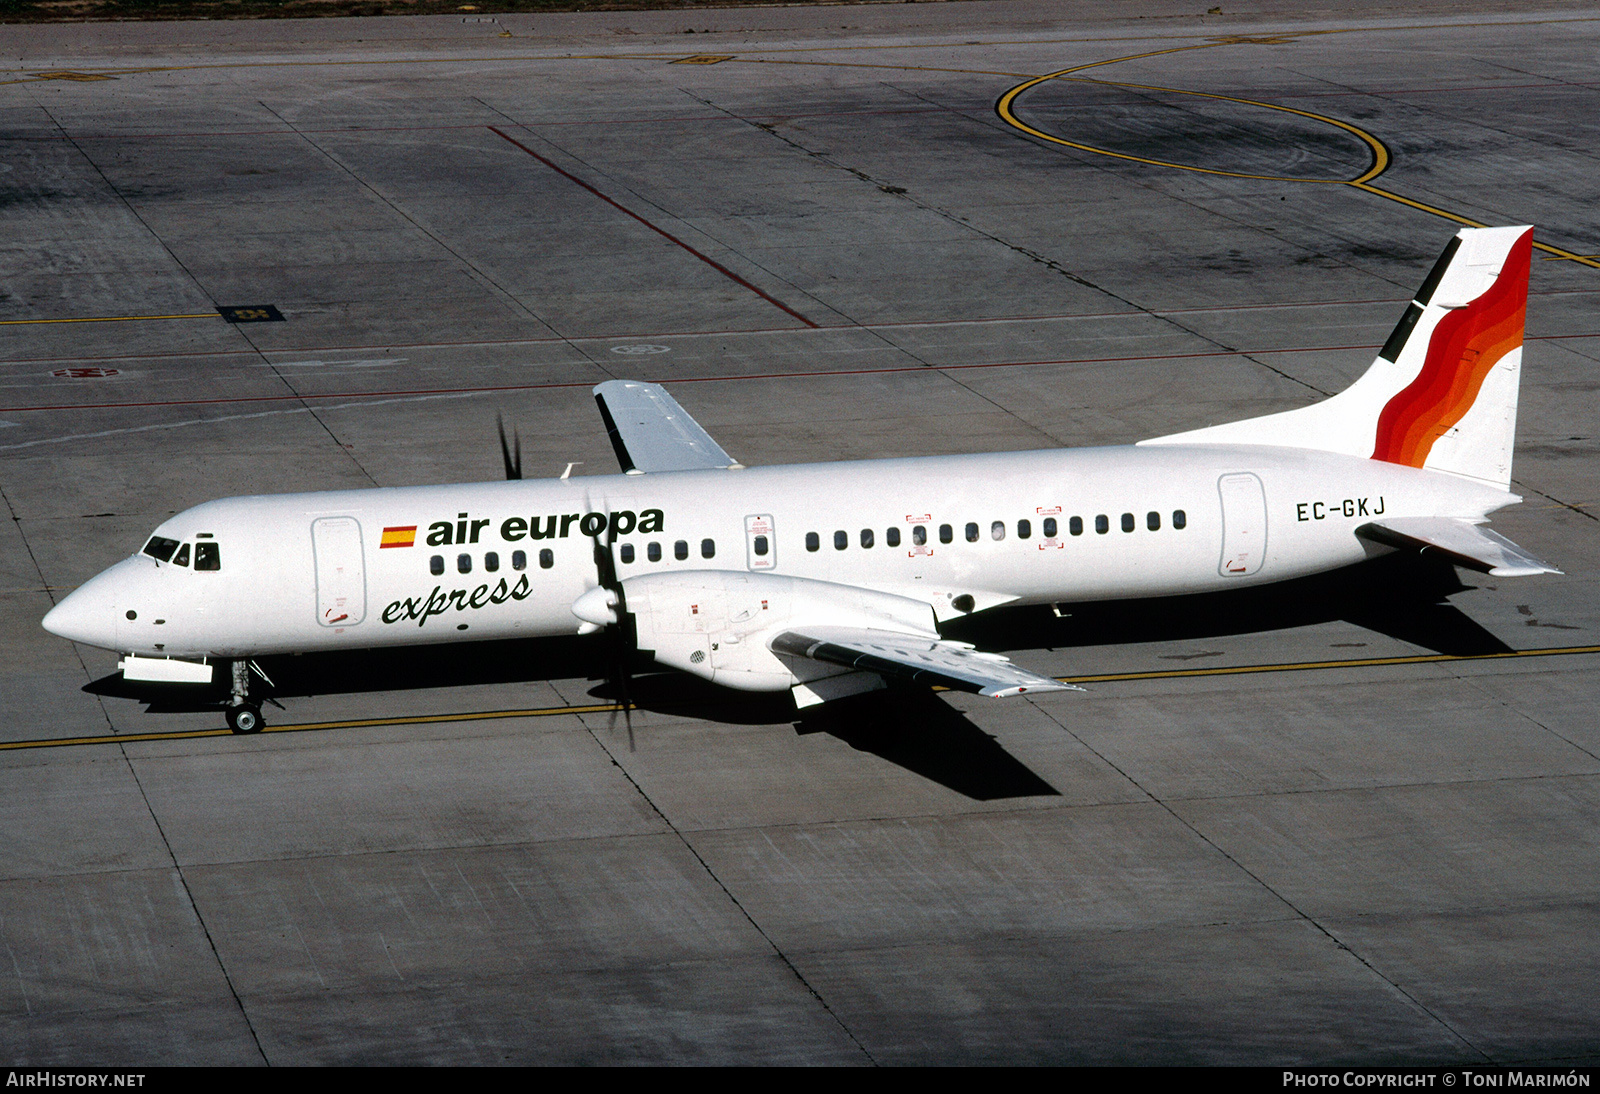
[{"x": 1465, "y": 346}]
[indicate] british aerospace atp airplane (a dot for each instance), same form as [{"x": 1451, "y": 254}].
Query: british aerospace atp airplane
[{"x": 825, "y": 579}]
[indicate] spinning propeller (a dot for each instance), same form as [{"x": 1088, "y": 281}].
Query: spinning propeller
[
  {"x": 612, "y": 615},
  {"x": 620, "y": 636}
]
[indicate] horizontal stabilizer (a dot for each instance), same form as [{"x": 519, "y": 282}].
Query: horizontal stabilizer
[
  {"x": 651, "y": 432},
  {"x": 1461, "y": 541},
  {"x": 917, "y": 659}
]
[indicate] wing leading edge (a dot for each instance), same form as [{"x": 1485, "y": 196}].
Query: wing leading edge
[
  {"x": 651, "y": 432},
  {"x": 919, "y": 660},
  {"x": 1461, "y": 541}
]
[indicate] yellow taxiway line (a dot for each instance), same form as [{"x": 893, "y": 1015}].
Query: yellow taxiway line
[
  {"x": 1004, "y": 107},
  {"x": 612, "y": 708},
  {"x": 106, "y": 319}
]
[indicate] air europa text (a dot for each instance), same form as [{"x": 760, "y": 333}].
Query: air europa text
[{"x": 467, "y": 529}]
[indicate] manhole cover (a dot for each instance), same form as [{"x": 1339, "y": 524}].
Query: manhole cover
[{"x": 86, "y": 373}]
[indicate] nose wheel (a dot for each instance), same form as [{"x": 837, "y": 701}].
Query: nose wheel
[
  {"x": 244, "y": 713},
  {"x": 245, "y": 718}
]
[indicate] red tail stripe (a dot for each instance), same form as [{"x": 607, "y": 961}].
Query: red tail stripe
[{"x": 1465, "y": 346}]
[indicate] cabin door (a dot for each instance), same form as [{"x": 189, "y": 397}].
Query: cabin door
[
  {"x": 760, "y": 543},
  {"x": 341, "y": 574},
  {"x": 1244, "y": 524}
]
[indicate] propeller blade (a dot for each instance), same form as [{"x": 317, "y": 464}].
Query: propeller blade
[
  {"x": 511, "y": 457},
  {"x": 619, "y": 642}
]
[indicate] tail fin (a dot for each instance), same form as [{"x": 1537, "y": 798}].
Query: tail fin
[{"x": 1443, "y": 392}]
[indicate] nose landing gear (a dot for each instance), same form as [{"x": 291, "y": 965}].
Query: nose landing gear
[
  {"x": 244, "y": 713},
  {"x": 245, "y": 718}
]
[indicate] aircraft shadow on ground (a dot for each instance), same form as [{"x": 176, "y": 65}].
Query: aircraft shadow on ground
[
  {"x": 915, "y": 729},
  {"x": 911, "y": 727},
  {"x": 1402, "y": 596}
]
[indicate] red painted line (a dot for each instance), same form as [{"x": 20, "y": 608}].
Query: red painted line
[
  {"x": 556, "y": 385},
  {"x": 1380, "y": 92},
  {"x": 542, "y": 123},
  {"x": 1395, "y": 302},
  {"x": 736, "y": 377},
  {"x": 707, "y": 259}
]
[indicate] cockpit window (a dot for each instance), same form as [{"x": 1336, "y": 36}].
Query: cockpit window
[
  {"x": 182, "y": 557},
  {"x": 207, "y": 556},
  {"x": 160, "y": 548}
]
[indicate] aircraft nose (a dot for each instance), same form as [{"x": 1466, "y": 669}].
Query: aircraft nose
[{"x": 88, "y": 614}]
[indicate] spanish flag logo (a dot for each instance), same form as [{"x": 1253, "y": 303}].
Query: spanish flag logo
[{"x": 399, "y": 537}]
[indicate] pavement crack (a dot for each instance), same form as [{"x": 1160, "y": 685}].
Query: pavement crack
[
  {"x": 788, "y": 962},
  {"x": 1576, "y": 507},
  {"x": 1391, "y": 983}
]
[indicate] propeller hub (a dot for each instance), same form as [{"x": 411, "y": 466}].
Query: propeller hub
[{"x": 597, "y": 606}]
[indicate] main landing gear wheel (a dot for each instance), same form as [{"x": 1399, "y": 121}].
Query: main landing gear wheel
[{"x": 245, "y": 718}]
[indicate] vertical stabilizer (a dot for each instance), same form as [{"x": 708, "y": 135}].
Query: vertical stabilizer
[{"x": 1443, "y": 392}]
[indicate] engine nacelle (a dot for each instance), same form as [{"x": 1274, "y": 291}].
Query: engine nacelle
[{"x": 717, "y": 625}]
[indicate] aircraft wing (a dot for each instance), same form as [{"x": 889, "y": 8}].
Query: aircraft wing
[
  {"x": 651, "y": 432},
  {"x": 1461, "y": 541},
  {"x": 914, "y": 658}
]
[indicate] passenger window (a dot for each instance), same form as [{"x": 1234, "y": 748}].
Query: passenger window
[
  {"x": 997, "y": 530},
  {"x": 464, "y": 564},
  {"x": 841, "y": 540},
  {"x": 972, "y": 533},
  {"x": 761, "y": 546},
  {"x": 1152, "y": 521},
  {"x": 708, "y": 548},
  {"x": 1075, "y": 526},
  {"x": 160, "y": 548},
  {"x": 866, "y": 537},
  {"x": 919, "y": 534},
  {"x": 946, "y": 533},
  {"x": 680, "y": 550},
  {"x": 626, "y": 552},
  {"x": 1024, "y": 529},
  {"x": 1127, "y": 522},
  {"x": 813, "y": 541},
  {"x": 207, "y": 557},
  {"x": 1102, "y": 524},
  {"x": 1049, "y": 527},
  {"x": 182, "y": 557},
  {"x": 1179, "y": 519},
  {"x": 436, "y": 565},
  {"x": 547, "y": 558},
  {"x": 653, "y": 552},
  {"x": 891, "y": 536},
  {"x": 491, "y": 562},
  {"x": 519, "y": 560}
]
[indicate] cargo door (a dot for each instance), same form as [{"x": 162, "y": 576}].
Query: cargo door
[{"x": 341, "y": 573}]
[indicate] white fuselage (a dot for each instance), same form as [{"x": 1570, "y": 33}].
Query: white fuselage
[{"x": 304, "y": 572}]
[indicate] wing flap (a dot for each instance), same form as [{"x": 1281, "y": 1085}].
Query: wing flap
[
  {"x": 651, "y": 432},
  {"x": 923, "y": 660},
  {"x": 1461, "y": 541}
]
